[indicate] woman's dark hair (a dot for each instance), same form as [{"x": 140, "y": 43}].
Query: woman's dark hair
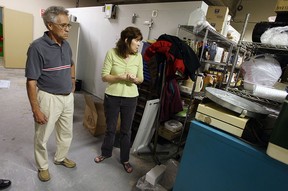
[{"x": 122, "y": 46}]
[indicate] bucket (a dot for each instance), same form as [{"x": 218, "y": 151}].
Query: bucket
[{"x": 78, "y": 85}]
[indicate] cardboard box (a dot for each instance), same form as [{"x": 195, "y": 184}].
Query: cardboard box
[
  {"x": 281, "y": 5},
  {"x": 217, "y": 13},
  {"x": 217, "y": 16},
  {"x": 219, "y": 55},
  {"x": 166, "y": 134},
  {"x": 94, "y": 117},
  {"x": 219, "y": 25},
  {"x": 221, "y": 118},
  {"x": 155, "y": 174}
]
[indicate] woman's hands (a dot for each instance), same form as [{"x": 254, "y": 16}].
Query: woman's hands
[
  {"x": 129, "y": 78},
  {"x": 132, "y": 78},
  {"x": 126, "y": 77}
]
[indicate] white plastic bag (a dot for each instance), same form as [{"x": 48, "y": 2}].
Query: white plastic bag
[
  {"x": 198, "y": 15},
  {"x": 275, "y": 36},
  {"x": 143, "y": 185},
  {"x": 197, "y": 18},
  {"x": 262, "y": 70}
]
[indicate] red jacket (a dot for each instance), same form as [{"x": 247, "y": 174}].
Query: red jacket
[{"x": 172, "y": 64}]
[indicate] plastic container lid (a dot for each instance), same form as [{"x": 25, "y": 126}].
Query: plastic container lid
[{"x": 173, "y": 125}]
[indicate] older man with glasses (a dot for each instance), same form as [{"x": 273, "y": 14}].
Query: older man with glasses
[{"x": 50, "y": 74}]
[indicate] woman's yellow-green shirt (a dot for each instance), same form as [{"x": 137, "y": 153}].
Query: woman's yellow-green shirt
[{"x": 115, "y": 65}]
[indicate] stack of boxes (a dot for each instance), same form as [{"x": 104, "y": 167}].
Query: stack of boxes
[
  {"x": 282, "y": 5},
  {"x": 217, "y": 16},
  {"x": 282, "y": 11}
]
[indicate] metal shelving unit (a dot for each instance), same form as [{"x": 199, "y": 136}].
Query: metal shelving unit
[
  {"x": 255, "y": 48},
  {"x": 248, "y": 95},
  {"x": 209, "y": 35},
  {"x": 244, "y": 48},
  {"x": 281, "y": 49},
  {"x": 206, "y": 35}
]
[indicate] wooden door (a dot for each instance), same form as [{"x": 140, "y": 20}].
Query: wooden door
[{"x": 17, "y": 34}]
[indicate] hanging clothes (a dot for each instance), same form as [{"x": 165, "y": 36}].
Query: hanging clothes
[
  {"x": 184, "y": 52},
  {"x": 181, "y": 62},
  {"x": 180, "y": 58},
  {"x": 174, "y": 65},
  {"x": 171, "y": 100}
]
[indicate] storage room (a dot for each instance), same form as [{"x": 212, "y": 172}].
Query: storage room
[{"x": 144, "y": 95}]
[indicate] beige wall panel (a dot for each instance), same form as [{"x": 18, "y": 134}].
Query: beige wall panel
[
  {"x": 73, "y": 40},
  {"x": 18, "y": 34}
]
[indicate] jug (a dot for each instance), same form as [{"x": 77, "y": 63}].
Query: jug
[
  {"x": 199, "y": 83},
  {"x": 208, "y": 81}
]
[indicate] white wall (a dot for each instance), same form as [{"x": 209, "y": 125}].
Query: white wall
[
  {"x": 34, "y": 6},
  {"x": 259, "y": 11},
  {"x": 98, "y": 34}
]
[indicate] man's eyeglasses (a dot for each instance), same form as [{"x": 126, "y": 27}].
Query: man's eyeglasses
[{"x": 63, "y": 26}]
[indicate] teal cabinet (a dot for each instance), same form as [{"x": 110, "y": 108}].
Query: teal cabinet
[{"x": 217, "y": 161}]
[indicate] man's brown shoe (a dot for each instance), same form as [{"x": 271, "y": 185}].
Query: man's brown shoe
[
  {"x": 44, "y": 175},
  {"x": 66, "y": 162}
]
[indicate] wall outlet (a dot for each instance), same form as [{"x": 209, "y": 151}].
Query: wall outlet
[{"x": 154, "y": 13}]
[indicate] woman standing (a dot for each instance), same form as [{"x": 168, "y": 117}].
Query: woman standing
[{"x": 123, "y": 70}]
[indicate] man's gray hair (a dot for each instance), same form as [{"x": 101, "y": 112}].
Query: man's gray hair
[{"x": 52, "y": 12}]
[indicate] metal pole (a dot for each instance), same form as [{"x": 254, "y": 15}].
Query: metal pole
[{"x": 237, "y": 52}]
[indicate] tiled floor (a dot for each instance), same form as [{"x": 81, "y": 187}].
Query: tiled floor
[{"x": 16, "y": 149}]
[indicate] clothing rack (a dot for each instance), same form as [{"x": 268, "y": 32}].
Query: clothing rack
[
  {"x": 153, "y": 149},
  {"x": 185, "y": 58}
]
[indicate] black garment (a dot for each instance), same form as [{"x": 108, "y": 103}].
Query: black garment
[{"x": 181, "y": 50}]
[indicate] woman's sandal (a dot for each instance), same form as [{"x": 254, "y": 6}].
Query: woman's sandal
[
  {"x": 127, "y": 166},
  {"x": 100, "y": 158}
]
